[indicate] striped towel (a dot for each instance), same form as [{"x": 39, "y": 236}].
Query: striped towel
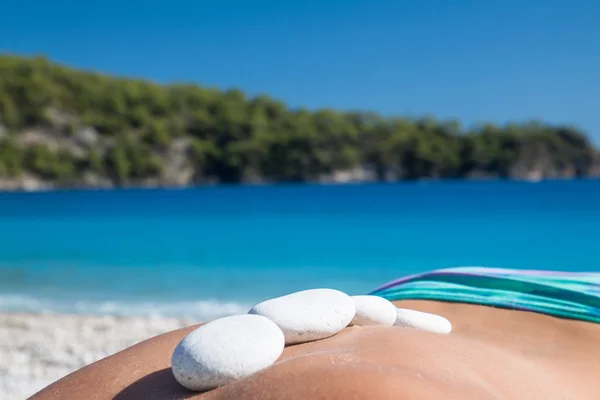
[{"x": 574, "y": 295}]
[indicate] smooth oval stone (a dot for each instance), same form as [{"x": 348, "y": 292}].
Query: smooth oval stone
[
  {"x": 225, "y": 350},
  {"x": 308, "y": 315},
  {"x": 421, "y": 320},
  {"x": 373, "y": 310}
]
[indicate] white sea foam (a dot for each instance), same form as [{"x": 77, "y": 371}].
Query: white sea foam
[
  {"x": 194, "y": 309},
  {"x": 200, "y": 310}
]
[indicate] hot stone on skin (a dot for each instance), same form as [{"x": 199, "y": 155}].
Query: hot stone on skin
[
  {"x": 421, "y": 320},
  {"x": 232, "y": 348},
  {"x": 373, "y": 310},
  {"x": 225, "y": 350},
  {"x": 308, "y": 315}
]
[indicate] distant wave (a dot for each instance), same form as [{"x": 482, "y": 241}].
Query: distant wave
[{"x": 197, "y": 309}]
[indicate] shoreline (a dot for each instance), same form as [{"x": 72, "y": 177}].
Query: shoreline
[
  {"x": 141, "y": 187},
  {"x": 37, "y": 349}
]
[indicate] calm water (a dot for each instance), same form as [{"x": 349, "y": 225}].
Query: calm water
[{"x": 205, "y": 252}]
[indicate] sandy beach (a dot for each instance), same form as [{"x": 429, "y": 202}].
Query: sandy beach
[{"x": 37, "y": 349}]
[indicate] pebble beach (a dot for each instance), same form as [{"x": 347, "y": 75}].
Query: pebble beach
[{"x": 37, "y": 349}]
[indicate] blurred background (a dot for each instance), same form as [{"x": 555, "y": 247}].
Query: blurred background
[{"x": 165, "y": 164}]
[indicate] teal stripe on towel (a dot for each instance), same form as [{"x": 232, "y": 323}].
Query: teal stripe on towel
[{"x": 572, "y": 295}]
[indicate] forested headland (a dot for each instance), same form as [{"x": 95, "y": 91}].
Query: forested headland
[{"x": 62, "y": 127}]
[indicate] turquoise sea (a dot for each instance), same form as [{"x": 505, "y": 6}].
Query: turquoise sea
[{"x": 211, "y": 251}]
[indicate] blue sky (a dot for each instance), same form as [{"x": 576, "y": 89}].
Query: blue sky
[{"x": 477, "y": 60}]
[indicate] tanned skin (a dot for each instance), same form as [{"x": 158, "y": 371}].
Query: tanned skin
[{"x": 491, "y": 354}]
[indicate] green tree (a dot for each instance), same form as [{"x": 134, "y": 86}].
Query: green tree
[{"x": 227, "y": 136}]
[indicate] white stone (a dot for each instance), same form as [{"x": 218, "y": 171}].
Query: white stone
[
  {"x": 373, "y": 310},
  {"x": 308, "y": 315},
  {"x": 225, "y": 350},
  {"x": 421, "y": 320}
]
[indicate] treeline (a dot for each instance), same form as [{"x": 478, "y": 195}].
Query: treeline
[{"x": 70, "y": 127}]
